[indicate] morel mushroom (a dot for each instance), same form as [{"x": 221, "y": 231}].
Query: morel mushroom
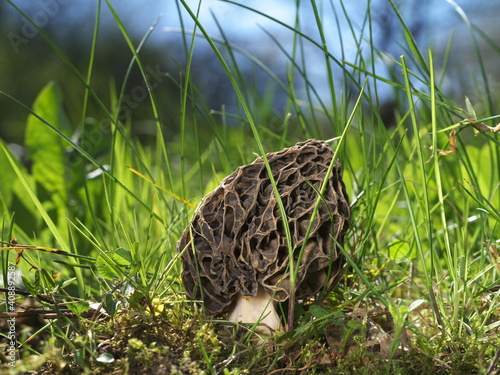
[{"x": 235, "y": 253}]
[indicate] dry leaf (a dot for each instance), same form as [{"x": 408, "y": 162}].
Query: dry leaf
[
  {"x": 453, "y": 145},
  {"x": 494, "y": 255},
  {"x": 482, "y": 127},
  {"x": 375, "y": 325}
]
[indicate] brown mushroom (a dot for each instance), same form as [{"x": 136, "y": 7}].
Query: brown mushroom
[{"x": 235, "y": 255}]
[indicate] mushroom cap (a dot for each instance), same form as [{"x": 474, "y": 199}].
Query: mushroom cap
[{"x": 238, "y": 237}]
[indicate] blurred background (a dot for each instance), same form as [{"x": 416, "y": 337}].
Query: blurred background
[{"x": 28, "y": 61}]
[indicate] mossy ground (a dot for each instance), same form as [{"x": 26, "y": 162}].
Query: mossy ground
[{"x": 175, "y": 339}]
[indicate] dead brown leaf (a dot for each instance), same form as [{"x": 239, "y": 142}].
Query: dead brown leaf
[
  {"x": 479, "y": 128},
  {"x": 482, "y": 127},
  {"x": 453, "y": 145},
  {"x": 376, "y": 327},
  {"x": 494, "y": 254}
]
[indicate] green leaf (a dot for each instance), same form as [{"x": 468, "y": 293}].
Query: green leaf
[
  {"x": 400, "y": 251},
  {"x": 318, "y": 312},
  {"x": 14, "y": 198},
  {"x": 470, "y": 108},
  {"x": 79, "y": 307},
  {"x": 7, "y": 173},
  {"x": 64, "y": 284},
  {"x": 122, "y": 257},
  {"x": 80, "y": 356},
  {"x": 106, "y": 268},
  {"x": 352, "y": 327},
  {"x": 46, "y": 147},
  {"x": 25, "y": 182},
  {"x": 399, "y": 315},
  {"x": 47, "y": 281},
  {"x": 136, "y": 267},
  {"x": 302, "y": 330},
  {"x": 33, "y": 287},
  {"x": 114, "y": 264},
  {"x": 110, "y": 305}
]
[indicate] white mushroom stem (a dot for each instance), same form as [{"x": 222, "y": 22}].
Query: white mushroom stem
[{"x": 259, "y": 309}]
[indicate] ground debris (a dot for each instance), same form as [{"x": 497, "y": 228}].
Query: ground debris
[{"x": 371, "y": 328}]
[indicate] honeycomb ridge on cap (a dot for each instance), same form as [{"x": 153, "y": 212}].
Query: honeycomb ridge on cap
[{"x": 238, "y": 235}]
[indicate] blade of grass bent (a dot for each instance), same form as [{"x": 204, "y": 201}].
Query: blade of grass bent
[
  {"x": 412, "y": 43},
  {"x": 86, "y": 96},
  {"x": 63, "y": 57},
  {"x": 477, "y": 50},
  {"x": 184, "y": 99},
  {"x": 295, "y": 271},
  {"x": 246, "y": 110},
  {"x": 152, "y": 98},
  {"x": 46, "y": 217},
  {"x": 325, "y": 183},
  {"x": 172, "y": 194},
  {"x": 253, "y": 126},
  {"x": 450, "y": 258},
  {"x": 329, "y": 70},
  {"x": 80, "y": 150},
  {"x": 427, "y": 208}
]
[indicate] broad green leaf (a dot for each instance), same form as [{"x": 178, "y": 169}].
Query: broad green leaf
[
  {"x": 399, "y": 315},
  {"x": 80, "y": 356},
  {"x": 352, "y": 327},
  {"x": 318, "y": 312},
  {"x": 79, "y": 307},
  {"x": 46, "y": 147},
  {"x": 8, "y": 175},
  {"x": 12, "y": 193},
  {"x": 110, "y": 304},
  {"x": 106, "y": 268},
  {"x": 113, "y": 264},
  {"x": 400, "y": 251},
  {"x": 122, "y": 257}
]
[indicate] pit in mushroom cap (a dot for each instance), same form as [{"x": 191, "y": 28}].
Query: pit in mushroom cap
[{"x": 236, "y": 246}]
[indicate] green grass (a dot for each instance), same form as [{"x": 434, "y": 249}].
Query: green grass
[{"x": 417, "y": 296}]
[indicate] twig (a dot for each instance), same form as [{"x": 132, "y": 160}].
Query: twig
[{"x": 493, "y": 363}]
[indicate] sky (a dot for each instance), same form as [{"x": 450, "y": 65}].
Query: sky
[
  {"x": 141, "y": 14},
  {"x": 252, "y": 32},
  {"x": 245, "y": 27}
]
